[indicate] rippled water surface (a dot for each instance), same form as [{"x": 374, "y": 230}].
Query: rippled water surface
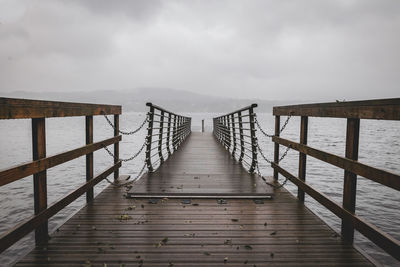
[{"x": 379, "y": 147}]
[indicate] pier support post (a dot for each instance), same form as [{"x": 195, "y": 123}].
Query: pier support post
[
  {"x": 202, "y": 126},
  {"x": 276, "y": 146},
  {"x": 302, "y": 156},
  {"x": 40, "y": 178},
  {"x": 89, "y": 157},
  {"x": 116, "y": 145},
  {"x": 350, "y": 179}
]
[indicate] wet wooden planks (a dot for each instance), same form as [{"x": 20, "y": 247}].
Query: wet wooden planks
[
  {"x": 201, "y": 167},
  {"x": 280, "y": 232}
]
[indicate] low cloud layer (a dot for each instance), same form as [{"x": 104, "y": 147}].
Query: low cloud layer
[{"x": 316, "y": 50}]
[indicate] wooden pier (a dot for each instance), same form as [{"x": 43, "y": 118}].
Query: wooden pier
[
  {"x": 115, "y": 230},
  {"x": 202, "y": 203}
]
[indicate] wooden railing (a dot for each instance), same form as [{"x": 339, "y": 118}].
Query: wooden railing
[
  {"x": 387, "y": 109},
  {"x": 236, "y": 132},
  {"x": 166, "y": 131},
  {"x": 38, "y": 111}
]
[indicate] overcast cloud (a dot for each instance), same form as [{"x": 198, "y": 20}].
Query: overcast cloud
[{"x": 317, "y": 50}]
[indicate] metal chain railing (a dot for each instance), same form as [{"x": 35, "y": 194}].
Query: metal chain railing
[
  {"x": 128, "y": 133},
  {"x": 271, "y": 135},
  {"x": 270, "y": 161},
  {"x": 128, "y": 159}
]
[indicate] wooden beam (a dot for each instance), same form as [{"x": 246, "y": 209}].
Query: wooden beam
[
  {"x": 380, "y": 176},
  {"x": 116, "y": 145},
  {"x": 350, "y": 178},
  {"x": 383, "y": 109},
  {"x": 89, "y": 156},
  {"x": 302, "y": 156},
  {"x": 11, "y": 108},
  {"x": 26, "y": 169},
  {"x": 40, "y": 178},
  {"x": 276, "y": 145}
]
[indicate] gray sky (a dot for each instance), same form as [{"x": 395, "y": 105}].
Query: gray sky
[{"x": 317, "y": 50}]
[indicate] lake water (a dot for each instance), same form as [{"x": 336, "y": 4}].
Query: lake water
[{"x": 379, "y": 147}]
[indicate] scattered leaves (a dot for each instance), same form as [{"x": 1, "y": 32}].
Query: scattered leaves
[
  {"x": 246, "y": 261},
  {"x": 170, "y": 264},
  {"x": 87, "y": 264},
  {"x": 265, "y": 224},
  {"x": 94, "y": 228},
  {"x": 234, "y": 220},
  {"x": 206, "y": 253},
  {"x": 273, "y": 233},
  {"x": 123, "y": 217},
  {"x": 225, "y": 259},
  {"x": 142, "y": 206},
  {"x": 195, "y": 204},
  {"x": 248, "y": 247},
  {"x": 272, "y": 254},
  {"x": 131, "y": 208},
  {"x": 228, "y": 242}
]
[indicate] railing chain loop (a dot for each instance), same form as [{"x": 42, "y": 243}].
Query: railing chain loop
[
  {"x": 271, "y": 135},
  {"x": 128, "y": 133},
  {"x": 270, "y": 161},
  {"x": 128, "y": 159}
]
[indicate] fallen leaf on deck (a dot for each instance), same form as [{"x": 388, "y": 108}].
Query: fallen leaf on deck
[
  {"x": 248, "y": 247},
  {"x": 234, "y": 220},
  {"x": 206, "y": 253},
  {"x": 124, "y": 217},
  {"x": 273, "y": 233}
]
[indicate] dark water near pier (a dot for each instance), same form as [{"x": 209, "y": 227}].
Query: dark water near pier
[{"x": 379, "y": 147}]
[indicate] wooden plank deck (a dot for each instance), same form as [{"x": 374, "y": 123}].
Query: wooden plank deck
[
  {"x": 115, "y": 230},
  {"x": 201, "y": 167}
]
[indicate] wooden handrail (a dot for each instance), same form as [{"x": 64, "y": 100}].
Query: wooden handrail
[
  {"x": 382, "y": 109},
  {"x": 226, "y": 128},
  {"x": 38, "y": 111},
  {"x": 385, "y": 109},
  {"x": 12, "y": 108}
]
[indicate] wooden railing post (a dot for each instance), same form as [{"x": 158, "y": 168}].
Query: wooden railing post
[
  {"x": 302, "y": 156},
  {"x": 276, "y": 145},
  {"x": 89, "y": 157},
  {"x": 234, "y": 134},
  {"x": 253, "y": 140},
  {"x": 116, "y": 145},
  {"x": 241, "y": 136},
  {"x": 169, "y": 134},
  {"x": 160, "y": 135},
  {"x": 174, "y": 133},
  {"x": 149, "y": 138},
  {"x": 350, "y": 179},
  {"x": 40, "y": 178}
]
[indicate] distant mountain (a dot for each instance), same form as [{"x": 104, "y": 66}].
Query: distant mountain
[{"x": 170, "y": 99}]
